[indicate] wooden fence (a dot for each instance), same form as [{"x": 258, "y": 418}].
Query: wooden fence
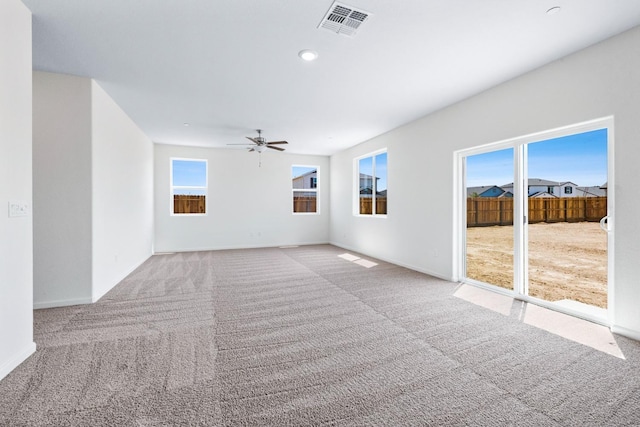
[
  {"x": 366, "y": 205},
  {"x": 188, "y": 204},
  {"x": 304, "y": 204},
  {"x": 485, "y": 211}
]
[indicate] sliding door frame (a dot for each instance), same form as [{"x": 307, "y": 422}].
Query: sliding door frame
[{"x": 520, "y": 229}]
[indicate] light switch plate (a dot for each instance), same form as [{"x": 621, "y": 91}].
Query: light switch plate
[{"x": 18, "y": 208}]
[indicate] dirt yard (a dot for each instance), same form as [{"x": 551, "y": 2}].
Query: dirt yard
[{"x": 566, "y": 260}]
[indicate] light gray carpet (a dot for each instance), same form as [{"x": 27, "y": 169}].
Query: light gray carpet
[{"x": 299, "y": 336}]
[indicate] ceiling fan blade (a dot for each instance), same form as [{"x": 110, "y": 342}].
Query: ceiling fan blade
[
  {"x": 277, "y": 142},
  {"x": 246, "y": 145},
  {"x": 251, "y": 149},
  {"x": 255, "y": 141},
  {"x": 275, "y": 148}
]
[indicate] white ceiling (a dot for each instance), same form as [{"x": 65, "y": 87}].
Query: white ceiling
[{"x": 228, "y": 67}]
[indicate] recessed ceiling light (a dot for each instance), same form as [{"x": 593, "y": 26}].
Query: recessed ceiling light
[
  {"x": 185, "y": 124},
  {"x": 553, "y": 10},
  {"x": 308, "y": 55}
]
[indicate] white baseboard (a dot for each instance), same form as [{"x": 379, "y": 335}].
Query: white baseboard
[
  {"x": 625, "y": 332},
  {"x": 392, "y": 261},
  {"x": 61, "y": 303},
  {"x": 165, "y": 251},
  {"x": 16, "y": 360}
]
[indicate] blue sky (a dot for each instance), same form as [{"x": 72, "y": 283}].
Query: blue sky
[
  {"x": 579, "y": 158},
  {"x": 189, "y": 173},
  {"x": 297, "y": 171},
  {"x": 366, "y": 167}
]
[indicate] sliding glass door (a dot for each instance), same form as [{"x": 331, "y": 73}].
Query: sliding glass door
[
  {"x": 489, "y": 212},
  {"x": 537, "y": 218},
  {"x": 567, "y": 198}
]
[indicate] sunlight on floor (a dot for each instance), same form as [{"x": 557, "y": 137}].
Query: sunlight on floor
[
  {"x": 584, "y": 332},
  {"x": 572, "y": 328},
  {"x": 349, "y": 257},
  {"x": 357, "y": 260},
  {"x": 491, "y": 300},
  {"x": 365, "y": 263}
]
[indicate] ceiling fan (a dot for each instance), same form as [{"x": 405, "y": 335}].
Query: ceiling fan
[{"x": 260, "y": 143}]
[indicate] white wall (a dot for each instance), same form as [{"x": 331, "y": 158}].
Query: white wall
[
  {"x": 248, "y": 206},
  {"x": 93, "y": 191},
  {"x": 16, "y": 247},
  {"x": 62, "y": 189},
  {"x": 122, "y": 176},
  {"x": 600, "y": 81}
]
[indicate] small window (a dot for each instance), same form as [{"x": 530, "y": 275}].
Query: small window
[
  {"x": 568, "y": 190},
  {"x": 550, "y": 189},
  {"x": 188, "y": 187},
  {"x": 304, "y": 183},
  {"x": 372, "y": 184}
]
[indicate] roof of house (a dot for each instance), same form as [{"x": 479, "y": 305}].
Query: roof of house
[
  {"x": 543, "y": 194},
  {"x": 481, "y": 189},
  {"x": 594, "y": 190},
  {"x": 307, "y": 173},
  {"x": 540, "y": 182},
  {"x": 368, "y": 177}
]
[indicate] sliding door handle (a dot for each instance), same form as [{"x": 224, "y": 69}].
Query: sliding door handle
[{"x": 604, "y": 223}]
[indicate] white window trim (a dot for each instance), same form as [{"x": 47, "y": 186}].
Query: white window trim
[
  {"x": 356, "y": 186},
  {"x": 172, "y": 187},
  {"x": 308, "y": 190}
]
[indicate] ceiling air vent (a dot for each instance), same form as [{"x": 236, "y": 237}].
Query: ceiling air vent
[{"x": 343, "y": 19}]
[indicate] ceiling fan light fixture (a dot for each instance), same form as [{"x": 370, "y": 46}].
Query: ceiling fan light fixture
[
  {"x": 308, "y": 55},
  {"x": 260, "y": 144}
]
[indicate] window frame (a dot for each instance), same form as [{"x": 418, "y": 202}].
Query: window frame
[
  {"x": 520, "y": 145},
  {"x": 315, "y": 189},
  {"x": 173, "y": 187},
  {"x": 356, "y": 186}
]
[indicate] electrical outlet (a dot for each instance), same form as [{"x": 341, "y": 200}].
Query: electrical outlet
[{"x": 18, "y": 208}]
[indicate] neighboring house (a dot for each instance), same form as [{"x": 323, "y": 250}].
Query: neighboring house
[
  {"x": 366, "y": 184},
  {"x": 604, "y": 187},
  {"x": 593, "y": 191},
  {"x": 544, "y": 188},
  {"x": 541, "y": 194},
  {"x": 307, "y": 180},
  {"x": 568, "y": 189},
  {"x": 540, "y": 188},
  {"x": 485, "y": 191}
]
